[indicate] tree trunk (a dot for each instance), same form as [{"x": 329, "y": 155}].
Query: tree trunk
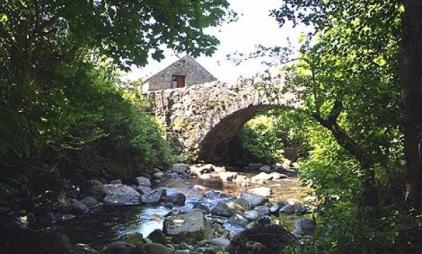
[
  {"x": 411, "y": 81},
  {"x": 369, "y": 185}
]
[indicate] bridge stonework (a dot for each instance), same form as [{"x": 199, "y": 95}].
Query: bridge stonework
[{"x": 204, "y": 119}]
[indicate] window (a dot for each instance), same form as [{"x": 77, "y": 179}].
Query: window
[{"x": 177, "y": 81}]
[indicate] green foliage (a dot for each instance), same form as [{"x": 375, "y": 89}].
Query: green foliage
[{"x": 267, "y": 136}]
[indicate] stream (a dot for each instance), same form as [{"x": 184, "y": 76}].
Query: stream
[{"x": 115, "y": 222}]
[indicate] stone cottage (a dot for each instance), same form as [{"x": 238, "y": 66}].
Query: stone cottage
[{"x": 184, "y": 72}]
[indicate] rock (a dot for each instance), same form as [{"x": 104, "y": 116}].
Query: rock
[
  {"x": 136, "y": 239},
  {"x": 276, "y": 175},
  {"x": 262, "y": 238},
  {"x": 157, "y": 236},
  {"x": 274, "y": 208},
  {"x": 239, "y": 205},
  {"x": 46, "y": 219},
  {"x": 68, "y": 216},
  {"x": 221, "y": 209},
  {"x": 305, "y": 226},
  {"x": 238, "y": 220},
  {"x": 120, "y": 247},
  {"x": 254, "y": 199},
  {"x": 152, "y": 197},
  {"x": 265, "y": 168},
  {"x": 158, "y": 175},
  {"x": 262, "y": 210},
  {"x": 263, "y": 191},
  {"x": 201, "y": 207},
  {"x": 211, "y": 180},
  {"x": 208, "y": 168},
  {"x": 143, "y": 189},
  {"x": 222, "y": 242},
  {"x": 75, "y": 206},
  {"x": 228, "y": 176},
  {"x": 175, "y": 198},
  {"x": 95, "y": 188},
  {"x": 251, "y": 215},
  {"x": 180, "y": 167},
  {"x": 81, "y": 248},
  {"x": 261, "y": 178},
  {"x": 89, "y": 201},
  {"x": 156, "y": 248},
  {"x": 143, "y": 181},
  {"x": 253, "y": 166},
  {"x": 119, "y": 194},
  {"x": 287, "y": 210},
  {"x": 215, "y": 195},
  {"x": 193, "y": 222},
  {"x": 116, "y": 181},
  {"x": 242, "y": 180}
]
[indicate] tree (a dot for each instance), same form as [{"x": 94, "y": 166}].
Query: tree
[
  {"x": 411, "y": 83},
  {"x": 44, "y": 43}
]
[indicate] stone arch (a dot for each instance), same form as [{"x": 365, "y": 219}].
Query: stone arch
[{"x": 204, "y": 119}]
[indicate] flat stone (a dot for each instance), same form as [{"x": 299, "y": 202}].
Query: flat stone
[
  {"x": 119, "y": 194},
  {"x": 238, "y": 220},
  {"x": 254, "y": 199},
  {"x": 193, "y": 222},
  {"x": 251, "y": 215},
  {"x": 276, "y": 175},
  {"x": 261, "y": 178},
  {"x": 274, "y": 208},
  {"x": 287, "y": 210},
  {"x": 263, "y": 191},
  {"x": 222, "y": 242}
]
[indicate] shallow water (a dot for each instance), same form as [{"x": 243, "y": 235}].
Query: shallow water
[{"x": 115, "y": 222}]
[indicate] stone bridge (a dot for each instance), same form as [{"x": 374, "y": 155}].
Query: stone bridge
[{"x": 204, "y": 119}]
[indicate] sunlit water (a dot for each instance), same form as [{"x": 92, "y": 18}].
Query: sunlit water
[{"x": 115, "y": 222}]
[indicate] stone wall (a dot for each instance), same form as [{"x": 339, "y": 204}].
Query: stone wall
[
  {"x": 205, "y": 118},
  {"x": 193, "y": 71}
]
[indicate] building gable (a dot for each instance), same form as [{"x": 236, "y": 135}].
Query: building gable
[{"x": 184, "y": 72}]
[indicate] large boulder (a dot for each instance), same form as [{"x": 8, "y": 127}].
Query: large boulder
[
  {"x": 254, "y": 199},
  {"x": 261, "y": 239},
  {"x": 152, "y": 197},
  {"x": 119, "y": 194},
  {"x": 193, "y": 222}
]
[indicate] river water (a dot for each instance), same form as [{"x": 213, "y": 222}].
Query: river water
[{"x": 114, "y": 222}]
